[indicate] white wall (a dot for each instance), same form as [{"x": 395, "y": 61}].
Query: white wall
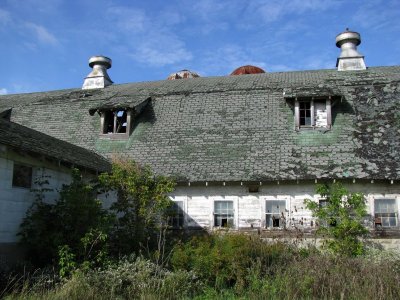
[
  {"x": 14, "y": 201},
  {"x": 249, "y": 208}
]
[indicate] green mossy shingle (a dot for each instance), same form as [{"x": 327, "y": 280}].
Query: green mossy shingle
[{"x": 235, "y": 128}]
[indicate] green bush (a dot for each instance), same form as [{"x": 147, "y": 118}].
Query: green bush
[
  {"x": 225, "y": 261},
  {"x": 49, "y": 226},
  {"x": 129, "y": 278},
  {"x": 341, "y": 219}
]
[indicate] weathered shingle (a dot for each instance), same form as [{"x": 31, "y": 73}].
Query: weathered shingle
[
  {"x": 22, "y": 138},
  {"x": 236, "y": 128}
]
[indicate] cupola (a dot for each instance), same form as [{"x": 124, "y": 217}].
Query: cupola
[
  {"x": 350, "y": 59},
  {"x": 98, "y": 78}
]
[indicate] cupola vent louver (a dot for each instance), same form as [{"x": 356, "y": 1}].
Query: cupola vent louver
[
  {"x": 98, "y": 78},
  {"x": 350, "y": 59}
]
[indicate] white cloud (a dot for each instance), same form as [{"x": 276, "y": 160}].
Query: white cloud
[
  {"x": 273, "y": 10},
  {"x": 128, "y": 19},
  {"x": 223, "y": 60},
  {"x": 3, "y": 91},
  {"x": 149, "y": 39},
  {"x": 5, "y": 17},
  {"x": 161, "y": 50},
  {"x": 42, "y": 34},
  {"x": 375, "y": 15}
]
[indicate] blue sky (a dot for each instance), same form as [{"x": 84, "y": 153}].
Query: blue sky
[{"x": 46, "y": 44}]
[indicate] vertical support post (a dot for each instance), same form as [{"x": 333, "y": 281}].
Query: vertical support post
[
  {"x": 296, "y": 114},
  {"x": 128, "y": 122},
  {"x": 312, "y": 112},
  {"x": 102, "y": 122},
  {"x": 115, "y": 121},
  {"x": 329, "y": 112}
]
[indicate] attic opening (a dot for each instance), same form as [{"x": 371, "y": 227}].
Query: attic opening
[
  {"x": 313, "y": 113},
  {"x": 116, "y": 118},
  {"x": 115, "y": 121}
]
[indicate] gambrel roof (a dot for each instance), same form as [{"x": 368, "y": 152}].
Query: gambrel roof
[{"x": 238, "y": 128}]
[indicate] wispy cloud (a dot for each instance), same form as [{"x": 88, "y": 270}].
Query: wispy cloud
[
  {"x": 274, "y": 10},
  {"x": 224, "y": 60},
  {"x": 149, "y": 39},
  {"x": 5, "y": 17},
  {"x": 3, "y": 91},
  {"x": 128, "y": 19},
  {"x": 42, "y": 34},
  {"x": 388, "y": 16}
]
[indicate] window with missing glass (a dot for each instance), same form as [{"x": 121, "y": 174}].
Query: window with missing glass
[
  {"x": 22, "y": 176},
  {"x": 223, "y": 214},
  {"x": 116, "y": 122},
  {"x": 313, "y": 113},
  {"x": 275, "y": 213},
  {"x": 387, "y": 212},
  {"x": 176, "y": 215}
]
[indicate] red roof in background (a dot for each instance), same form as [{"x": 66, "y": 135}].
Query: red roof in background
[{"x": 247, "y": 70}]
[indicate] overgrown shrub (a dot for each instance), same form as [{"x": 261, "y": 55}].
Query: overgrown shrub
[
  {"x": 341, "y": 219},
  {"x": 225, "y": 261},
  {"x": 129, "y": 278},
  {"x": 324, "y": 276},
  {"x": 49, "y": 226},
  {"x": 142, "y": 198}
]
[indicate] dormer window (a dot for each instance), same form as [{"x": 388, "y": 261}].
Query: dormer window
[
  {"x": 116, "y": 122},
  {"x": 117, "y": 116},
  {"x": 313, "y": 113}
]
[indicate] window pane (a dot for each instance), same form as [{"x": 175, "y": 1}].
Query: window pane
[
  {"x": 121, "y": 121},
  {"x": 223, "y": 213},
  {"x": 386, "y": 210},
  {"x": 176, "y": 214},
  {"x": 22, "y": 176},
  {"x": 108, "y": 122},
  {"x": 275, "y": 206},
  {"x": 320, "y": 114},
  {"x": 274, "y": 213}
]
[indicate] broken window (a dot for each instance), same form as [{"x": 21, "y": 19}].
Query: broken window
[
  {"x": 313, "y": 113},
  {"x": 175, "y": 215},
  {"x": 115, "y": 121},
  {"x": 223, "y": 214},
  {"x": 386, "y": 212},
  {"x": 22, "y": 176},
  {"x": 275, "y": 213}
]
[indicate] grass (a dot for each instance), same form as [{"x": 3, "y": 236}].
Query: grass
[{"x": 223, "y": 267}]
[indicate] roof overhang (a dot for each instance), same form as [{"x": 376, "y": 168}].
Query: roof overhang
[
  {"x": 135, "y": 103},
  {"x": 311, "y": 91}
]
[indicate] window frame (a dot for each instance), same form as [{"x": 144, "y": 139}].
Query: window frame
[
  {"x": 312, "y": 101},
  {"x": 104, "y": 123},
  {"x": 379, "y": 215},
  {"x": 15, "y": 182},
  {"x": 230, "y": 217},
  {"x": 176, "y": 214},
  {"x": 281, "y": 214}
]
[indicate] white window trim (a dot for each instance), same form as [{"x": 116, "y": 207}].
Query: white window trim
[
  {"x": 116, "y": 134},
  {"x": 383, "y": 197},
  {"x": 234, "y": 206},
  {"x": 297, "y": 112},
  {"x": 288, "y": 201}
]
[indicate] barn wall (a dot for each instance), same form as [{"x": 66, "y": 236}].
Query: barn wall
[{"x": 249, "y": 208}]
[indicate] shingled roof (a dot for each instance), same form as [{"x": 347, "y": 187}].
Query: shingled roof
[
  {"x": 238, "y": 128},
  {"x": 25, "y": 139}
]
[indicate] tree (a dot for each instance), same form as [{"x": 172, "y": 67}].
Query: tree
[
  {"x": 340, "y": 218},
  {"x": 70, "y": 220},
  {"x": 142, "y": 200}
]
